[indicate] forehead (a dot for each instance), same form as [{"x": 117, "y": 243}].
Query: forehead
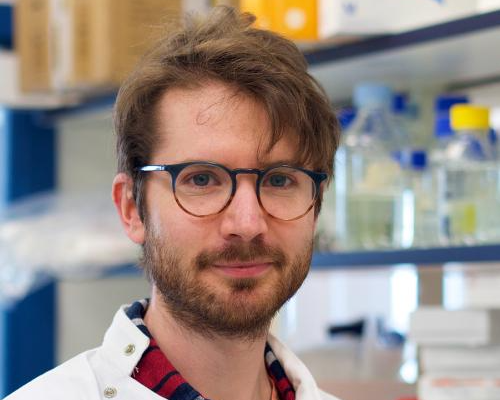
[{"x": 215, "y": 122}]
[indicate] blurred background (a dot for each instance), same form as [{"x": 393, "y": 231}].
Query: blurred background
[{"x": 403, "y": 297}]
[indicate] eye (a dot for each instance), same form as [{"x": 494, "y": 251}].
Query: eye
[
  {"x": 201, "y": 179},
  {"x": 278, "y": 180}
]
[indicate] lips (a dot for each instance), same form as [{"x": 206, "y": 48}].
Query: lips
[{"x": 244, "y": 269}]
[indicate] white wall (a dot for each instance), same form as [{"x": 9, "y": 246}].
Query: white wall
[
  {"x": 86, "y": 309},
  {"x": 86, "y": 153},
  {"x": 87, "y": 164}
]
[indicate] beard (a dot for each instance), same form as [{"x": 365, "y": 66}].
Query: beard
[{"x": 234, "y": 308}]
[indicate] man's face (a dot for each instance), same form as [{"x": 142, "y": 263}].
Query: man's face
[{"x": 229, "y": 273}]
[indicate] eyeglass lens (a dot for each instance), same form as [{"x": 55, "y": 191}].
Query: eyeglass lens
[{"x": 204, "y": 189}]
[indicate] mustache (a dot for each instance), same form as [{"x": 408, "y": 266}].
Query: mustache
[{"x": 242, "y": 252}]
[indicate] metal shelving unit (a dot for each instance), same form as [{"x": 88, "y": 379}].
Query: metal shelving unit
[{"x": 454, "y": 53}]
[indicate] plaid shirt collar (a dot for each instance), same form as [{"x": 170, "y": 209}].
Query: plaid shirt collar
[{"x": 156, "y": 372}]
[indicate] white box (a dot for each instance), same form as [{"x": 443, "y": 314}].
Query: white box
[
  {"x": 488, "y": 5},
  {"x": 369, "y": 17},
  {"x": 437, "y": 326},
  {"x": 459, "y": 358}
]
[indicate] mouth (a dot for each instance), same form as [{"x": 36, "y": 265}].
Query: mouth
[{"x": 239, "y": 269}]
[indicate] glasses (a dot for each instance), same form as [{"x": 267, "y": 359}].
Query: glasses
[{"x": 205, "y": 188}]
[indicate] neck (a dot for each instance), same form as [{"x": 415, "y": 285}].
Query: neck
[{"x": 217, "y": 367}]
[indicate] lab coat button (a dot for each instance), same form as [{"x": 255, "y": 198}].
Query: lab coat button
[
  {"x": 109, "y": 392},
  {"x": 129, "y": 350}
]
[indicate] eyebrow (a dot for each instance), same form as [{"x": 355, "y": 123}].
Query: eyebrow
[
  {"x": 260, "y": 165},
  {"x": 264, "y": 165}
]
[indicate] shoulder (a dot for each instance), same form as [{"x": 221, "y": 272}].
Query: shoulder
[{"x": 73, "y": 379}]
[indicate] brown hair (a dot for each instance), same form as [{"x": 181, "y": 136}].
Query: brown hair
[{"x": 225, "y": 47}]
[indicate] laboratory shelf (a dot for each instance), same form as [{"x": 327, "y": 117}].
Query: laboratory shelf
[
  {"x": 84, "y": 103},
  {"x": 456, "y": 53},
  {"x": 417, "y": 256},
  {"x": 459, "y": 52}
]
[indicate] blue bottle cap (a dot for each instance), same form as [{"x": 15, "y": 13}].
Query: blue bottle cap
[
  {"x": 410, "y": 159},
  {"x": 418, "y": 159},
  {"x": 345, "y": 117},
  {"x": 442, "y": 127},
  {"x": 399, "y": 103},
  {"x": 372, "y": 94},
  {"x": 444, "y": 102}
]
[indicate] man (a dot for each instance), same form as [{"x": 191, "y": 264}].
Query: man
[{"x": 225, "y": 144}]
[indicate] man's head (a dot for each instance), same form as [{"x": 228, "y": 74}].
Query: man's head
[{"x": 220, "y": 91}]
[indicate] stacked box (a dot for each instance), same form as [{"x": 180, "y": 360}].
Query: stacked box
[{"x": 459, "y": 353}]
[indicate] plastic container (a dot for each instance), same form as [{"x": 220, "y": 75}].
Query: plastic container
[
  {"x": 407, "y": 113},
  {"x": 423, "y": 212},
  {"x": 469, "y": 177},
  {"x": 368, "y": 179},
  {"x": 443, "y": 133}
]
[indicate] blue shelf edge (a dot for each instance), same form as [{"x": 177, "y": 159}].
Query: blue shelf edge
[
  {"x": 375, "y": 258},
  {"x": 421, "y": 257},
  {"x": 88, "y": 104},
  {"x": 394, "y": 41}
]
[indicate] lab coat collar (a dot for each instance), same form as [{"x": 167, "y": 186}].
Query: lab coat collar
[
  {"x": 123, "y": 333},
  {"x": 124, "y": 343}
]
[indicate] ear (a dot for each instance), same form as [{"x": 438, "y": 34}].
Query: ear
[{"x": 126, "y": 207}]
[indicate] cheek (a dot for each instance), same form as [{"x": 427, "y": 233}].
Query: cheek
[
  {"x": 161, "y": 207},
  {"x": 181, "y": 231},
  {"x": 294, "y": 235}
]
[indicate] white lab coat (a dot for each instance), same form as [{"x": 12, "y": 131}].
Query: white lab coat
[{"x": 105, "y": 372}]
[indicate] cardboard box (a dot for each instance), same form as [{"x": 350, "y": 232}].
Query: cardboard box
[
  {"x": 84, "y": 44},
  {"x": 31, "y": 30},
  {"x": 136, "y": 25},
  {"x": 53, "y": 43},
  {"x": 11, "y": 94},
  {"x": 100, "y": 61}
]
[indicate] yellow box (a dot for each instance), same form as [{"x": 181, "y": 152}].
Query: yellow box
[
  {"x": 263, "y": 10},
  {"x": 295, "y": 19}
]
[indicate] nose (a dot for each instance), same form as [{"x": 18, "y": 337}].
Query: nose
[{"x": 244, "y": 219}]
